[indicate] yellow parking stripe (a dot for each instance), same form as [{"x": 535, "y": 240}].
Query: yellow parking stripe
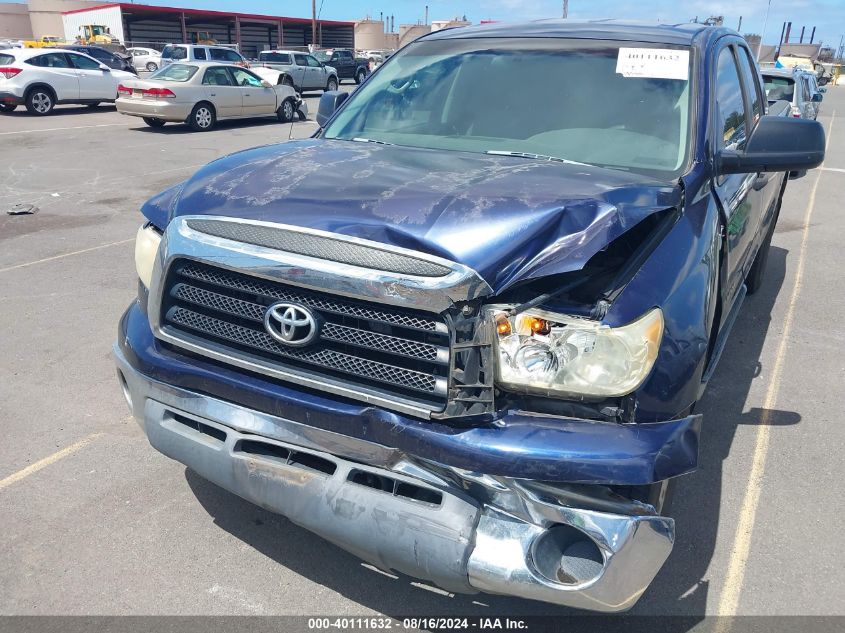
[
  {"x": 50, "y": 459},
  {"x": 729, "y": 598}
]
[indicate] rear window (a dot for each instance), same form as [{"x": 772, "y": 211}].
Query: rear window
[
  {"x": 174, "y": 52},
  {"x": 175, "y": 72},
  {"x": 7, "y": 59},
  {"x": 778, "y": 88},
  {"x": 225, "y": 55},
  {"x": 278, "y": 58}
]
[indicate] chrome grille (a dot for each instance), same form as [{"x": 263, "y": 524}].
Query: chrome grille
[{"x": 377, "y": 349}]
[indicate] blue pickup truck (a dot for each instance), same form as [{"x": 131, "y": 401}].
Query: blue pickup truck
[{"x": 462, "y": 330}]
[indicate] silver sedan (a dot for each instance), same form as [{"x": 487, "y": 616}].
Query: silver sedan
[{"x": 201, "y": 94}]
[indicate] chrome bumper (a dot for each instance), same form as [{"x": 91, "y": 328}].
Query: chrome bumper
[{"x": 348, "y": 491}]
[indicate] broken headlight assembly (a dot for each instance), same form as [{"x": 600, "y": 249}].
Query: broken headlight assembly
[
  {"x": 559, "y": 355},
  {"x": 147, "y": 242}
]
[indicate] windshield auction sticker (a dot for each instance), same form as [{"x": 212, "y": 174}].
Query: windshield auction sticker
[{"x": 653, "y": 63}]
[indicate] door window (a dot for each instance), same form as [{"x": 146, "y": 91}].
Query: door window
[
  {"x": 301, "y": 60},
  {"x": 218, "y": 76},
  {"x": 82, "y": 62},
  {"x": 199, "y": 53},
  {"x": 730, "y": 106},
  {"x": 752, "y": 84},
  {"x": 51, "y": 60},
  {"x": 176, "y": 52},
  {"x": 312, "y": 61},
  {"x": 245, "y": 78}
]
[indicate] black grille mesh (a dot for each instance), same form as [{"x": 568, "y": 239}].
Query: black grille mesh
[
  {"x": 321, "y": 247},
  {"x": 389, "y": 352}
]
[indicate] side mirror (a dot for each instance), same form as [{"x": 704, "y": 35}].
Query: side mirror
[
  {"x": 105, "y": 68},
  {"x": 266, "y": 83},
  {"x": 823, "y": 90},
  {"x": 330, "y": 101},
  {"x": 817, "y": 98},
  {"x": 777, "y": 144}
]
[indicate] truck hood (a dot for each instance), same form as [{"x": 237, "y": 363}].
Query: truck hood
[{"x": 510, "y": 219}]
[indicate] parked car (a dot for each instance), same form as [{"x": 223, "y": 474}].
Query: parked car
[
  {"x": 41, "y": 78},
  {"x": 201, "y": 53},
  {"x": 791, "y": 85},
  {"x": 301, "y": 70},
  {"x": 345, "y": 63},
  {"x": 115, "y": 61},
  {"x": 816, "y": 92},
  {"x": 147, "y": 58},
  {"x": 464, "y": 343},
  {"x": 202, "y": 94}
]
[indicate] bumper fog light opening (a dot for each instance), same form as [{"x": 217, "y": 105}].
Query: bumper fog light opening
[
  {"x": 124, "y": 387},
  {"x": 565, "y": 555}
]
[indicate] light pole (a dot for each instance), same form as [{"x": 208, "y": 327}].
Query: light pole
[{"x": 763, "y": 33}]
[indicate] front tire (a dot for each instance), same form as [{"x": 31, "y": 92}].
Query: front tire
[
  {"x": 202, "y": 117},
  {"x": 754, "y": 279},
  {"x": 360, "y": 76},
  {"x": 8, "y": 107},
  {"x": 153, "y": 122},
  {"x": 286, "y": 111},
  {"x": 152, "y": 67},
  {"x": 40, "y": 101},
  {"x": 331, "y": 85}
]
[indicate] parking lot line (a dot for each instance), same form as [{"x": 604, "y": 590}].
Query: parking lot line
[
  {"x": 63, "y": 255},
  {"x": 729, "y": 598},
  {"x": 50, "y": 459},
  {"x": 59, "y": 129},
  {"x": 837, "y": 169}
]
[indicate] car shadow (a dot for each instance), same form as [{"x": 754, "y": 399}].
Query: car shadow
[
  {"x": 61, "y": 110},
  {"x": 679, "y": 589},
  {"x": 226, "y": 124}
]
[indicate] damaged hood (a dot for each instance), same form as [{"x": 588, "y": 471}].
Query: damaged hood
[{"x": 510, "y": 219}]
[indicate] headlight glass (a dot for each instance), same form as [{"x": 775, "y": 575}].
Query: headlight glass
[
  {"x": 146, "y": 249},
  {"x": 561, "y": 355}
]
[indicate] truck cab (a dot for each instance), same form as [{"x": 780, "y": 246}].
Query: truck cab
[
  {"x": 464, "y": 343},
  {"x": 301, "y": 70}
]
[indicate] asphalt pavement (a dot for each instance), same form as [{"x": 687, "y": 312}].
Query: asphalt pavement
[{"x": 94, "y": 521}]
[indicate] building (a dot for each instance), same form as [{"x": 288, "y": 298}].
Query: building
[
  {"x": 155, "y": 26},
  {"x": 36, "y": 18}
]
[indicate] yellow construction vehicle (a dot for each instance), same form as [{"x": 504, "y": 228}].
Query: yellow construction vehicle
[
  {"x": 99, "y": 35},
  {"x": 202, "y": 37}
]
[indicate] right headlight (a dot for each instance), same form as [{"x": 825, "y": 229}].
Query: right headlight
[
  {"x": 565, "y": 356},
  {"x": 146, "y": 248}
]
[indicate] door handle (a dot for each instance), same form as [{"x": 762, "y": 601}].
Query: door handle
[
  {"x": 212, "y": 94},
  {"x": 760, "y": 181}
]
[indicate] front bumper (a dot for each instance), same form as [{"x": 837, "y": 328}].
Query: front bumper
[
  {"x": 158, "y": 109},
  {"x": 400, "y": 513}
]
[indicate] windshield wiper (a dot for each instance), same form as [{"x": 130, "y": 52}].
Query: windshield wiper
[
  {"x": 502, "y": 152},
  {"x": 360, "y": 139}
]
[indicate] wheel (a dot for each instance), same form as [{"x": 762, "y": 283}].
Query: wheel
[
  {"x": 40, "y": 101},
  {"x": 331, "y": 85},
  {"x": 152, "y": 67},
  {"x": 360, "y": 76},
  {"x": 153, "y": 122},
  {"x": 202, "y": 117},
  {"x": 754, "y": 279},
  {"x": 286, "y": 111},
  {"x": 93, "y": 105},
  {"x": 7, "y": 107},
  {"x": 287, "y": 81}
]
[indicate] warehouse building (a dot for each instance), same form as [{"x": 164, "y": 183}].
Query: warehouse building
[{"x": 146, "y": 25}]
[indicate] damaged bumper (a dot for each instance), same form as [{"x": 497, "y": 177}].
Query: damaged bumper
[{"x": 434, "y": 520}]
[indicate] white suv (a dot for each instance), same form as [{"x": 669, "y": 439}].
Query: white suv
[
  {"x": 40, "y": 78},
  {"x": 201, "y": 53}
]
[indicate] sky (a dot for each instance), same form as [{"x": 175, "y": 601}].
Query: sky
[{"x": 827, "y": 15}]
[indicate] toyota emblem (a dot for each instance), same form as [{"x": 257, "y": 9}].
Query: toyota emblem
[{"x": 290, "y": 324}]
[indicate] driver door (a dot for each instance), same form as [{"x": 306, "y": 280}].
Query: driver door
[
  {"x": 301, "y": 77},
  {"x": 257, "y": 99},
  {"x": 94, "y": 82}
]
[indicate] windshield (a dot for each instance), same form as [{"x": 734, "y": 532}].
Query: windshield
[
  {"x": 175, "y": 72},
  {"x": 778, "y": 88},
  {"x": 174, "y": 52},
  {"x": 322, "y": 56},
  {"x": 552, "y": 98}
]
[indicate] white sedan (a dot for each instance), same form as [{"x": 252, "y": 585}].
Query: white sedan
[
  {"x": 148, "y": 59},
  {"x": 200, "y": 94}
]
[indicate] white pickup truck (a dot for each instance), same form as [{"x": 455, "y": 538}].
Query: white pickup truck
[{"x": 301, "y": 70}]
